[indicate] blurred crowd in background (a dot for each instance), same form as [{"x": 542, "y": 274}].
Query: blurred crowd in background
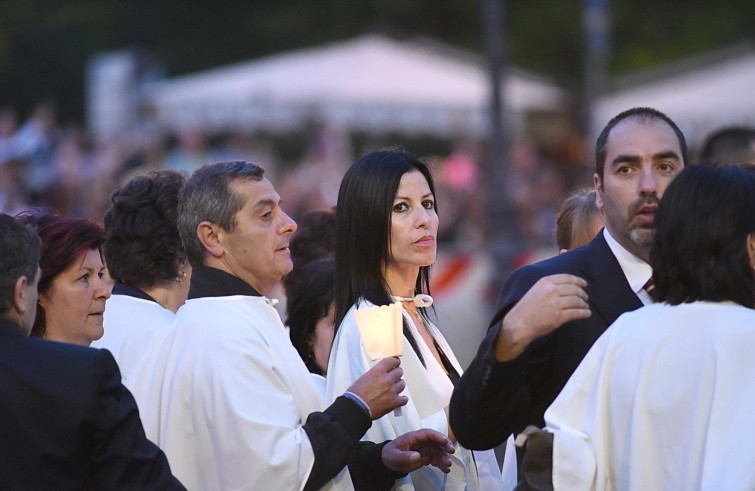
[{"x": 44, "y": 163}]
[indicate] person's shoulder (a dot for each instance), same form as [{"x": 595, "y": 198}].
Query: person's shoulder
[
  {"x": 568, "y": 262},
  {"x": 571, "y": 262},
  {"x": 61, "y": 350},
  {"x": 70, "y": 359},
  {"x": 81, "y": 367},
  {"x": 349, "y": 319}
]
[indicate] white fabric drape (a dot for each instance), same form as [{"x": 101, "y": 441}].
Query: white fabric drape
[
  {"x": 235, "y": 396},
  {"x": 664, "y": 400},
  {"x": 429, "y": 392}
]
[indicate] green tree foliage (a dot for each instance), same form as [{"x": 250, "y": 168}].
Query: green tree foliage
[{"x": 45, "y": 44}]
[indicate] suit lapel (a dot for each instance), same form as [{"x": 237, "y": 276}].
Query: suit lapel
[{"x": 608, "y": 289}]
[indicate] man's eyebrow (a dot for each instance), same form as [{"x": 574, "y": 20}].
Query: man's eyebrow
[
  {"x": 635, "y": 159},
  {"x": 264, "y": 203},
  {"x": 669, "y": 154},
  {"x": 625, "y": 159}
]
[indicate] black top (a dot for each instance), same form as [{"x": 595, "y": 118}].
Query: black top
[
  {"x": 212, "y": 282},
  {"x": 68, "y": 423},
  {"x": 333, "y": 433},
  {"x": 130, "y": 291}
]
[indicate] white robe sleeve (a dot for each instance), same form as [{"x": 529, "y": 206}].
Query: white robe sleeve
[{"x": 578, "y": 418}]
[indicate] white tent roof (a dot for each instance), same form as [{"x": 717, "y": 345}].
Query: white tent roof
[
  {"x": 370, "y": 83},
  {"x": 699, "y": 94}
]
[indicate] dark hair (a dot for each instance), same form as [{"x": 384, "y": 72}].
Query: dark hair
[
  {"x": 307, "y": 301},
  {"x": 142, "y": 246},
  {"x": 575, "y": 216},
  {"x": 642, "y": 114},
  {"x": 207, "y": 196},
  {"x": 700, "y": 247},
  {"x": 63, "y": 239},
  {"x": 363, "y": 230},
  {"x": 19, "y": 256},
  {"x": 730, "y": 145},
  {"x": 315, "y": 238}
]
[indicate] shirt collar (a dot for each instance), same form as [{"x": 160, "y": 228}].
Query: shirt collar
[
  {"x": 636, "y": 271},
  {"x": 207, "y": 281},
  {"x": 130, "y": 291}
]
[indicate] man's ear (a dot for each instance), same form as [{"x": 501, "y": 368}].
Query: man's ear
[
  {"x": 22, "y": 297},
  {"x": 751, "y": 249},
  {"x": 210, "y": 235},
  {"x": 598, "y": 191}
]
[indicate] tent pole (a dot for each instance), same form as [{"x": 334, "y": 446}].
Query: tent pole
[{"x": 499, "y": 210}]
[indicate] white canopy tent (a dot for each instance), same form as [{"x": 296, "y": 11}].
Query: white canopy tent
[
  {"x": 700, "y": 94},
  {"x": 371, "y": 83}
]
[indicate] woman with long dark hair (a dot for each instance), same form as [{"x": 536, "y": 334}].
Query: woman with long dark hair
[{"x": 386, "y": 229}]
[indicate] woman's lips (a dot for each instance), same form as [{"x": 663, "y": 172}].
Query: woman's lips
[{"x": 427, "y": 240}]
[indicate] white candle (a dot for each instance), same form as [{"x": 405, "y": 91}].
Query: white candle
[{"x": 381, "y": 328}]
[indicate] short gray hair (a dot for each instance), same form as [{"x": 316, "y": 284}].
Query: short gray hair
[
  {"x": 207, "y": 196},
  {"x": 19, "y": 256}
]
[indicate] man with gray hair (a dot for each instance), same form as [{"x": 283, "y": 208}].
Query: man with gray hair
[{"x": 238, "y": 407}]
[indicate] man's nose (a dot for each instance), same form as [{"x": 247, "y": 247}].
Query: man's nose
[
  {"x": 288, "y": 225},
  {"x": 648, "y": 181}
]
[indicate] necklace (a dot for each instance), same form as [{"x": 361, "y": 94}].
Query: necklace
[
  {"x": 419, "y": 300},
  {"x": 419, "y": 319}
]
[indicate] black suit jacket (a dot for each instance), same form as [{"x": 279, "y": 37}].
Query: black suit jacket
[
  {"x": 492, "y": 399},
  {"x": 67, "y": 422}
]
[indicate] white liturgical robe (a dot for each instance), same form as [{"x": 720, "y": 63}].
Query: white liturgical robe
[
  {"x": 135, "y": 329},
  {"x": 429, "y": 391},
  {"x": 664, "y": 400},
  {"x": 235, "y": 396}
]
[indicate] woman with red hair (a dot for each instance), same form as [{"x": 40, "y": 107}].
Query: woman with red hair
[{"x": 72, "y": 288}]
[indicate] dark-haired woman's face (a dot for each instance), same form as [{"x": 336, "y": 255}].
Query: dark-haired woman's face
[
  {"x": 75, "y": 301},
  {"x": 414, "y": 225}
]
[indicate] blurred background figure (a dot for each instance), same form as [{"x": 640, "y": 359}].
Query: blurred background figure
[
  {"x": 310, "y": 290},
  {"x": 34, "y": 144},
  {"x": 314, "y": 239},
  {"x": 147, "y": 260},
  {"x": 310, "y": 305},
  {"x": 578, "y": 221},
  {"x": 11, "y": 198},
  {"x": 72, "y": 291},
  {"x": 190, "y": 150},
  {"x": 731, "y": 145},
  {"x": 458, "y": 187}
]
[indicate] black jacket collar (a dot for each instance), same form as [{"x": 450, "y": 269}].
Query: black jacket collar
[
  {"x": 8, "y": 328},
  {"x": 130, "y": 291},
  {"x": 211, "y": 282}
]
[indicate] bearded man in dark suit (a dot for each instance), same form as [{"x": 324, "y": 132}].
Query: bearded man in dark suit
[{"x": 550, "y": 313}]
